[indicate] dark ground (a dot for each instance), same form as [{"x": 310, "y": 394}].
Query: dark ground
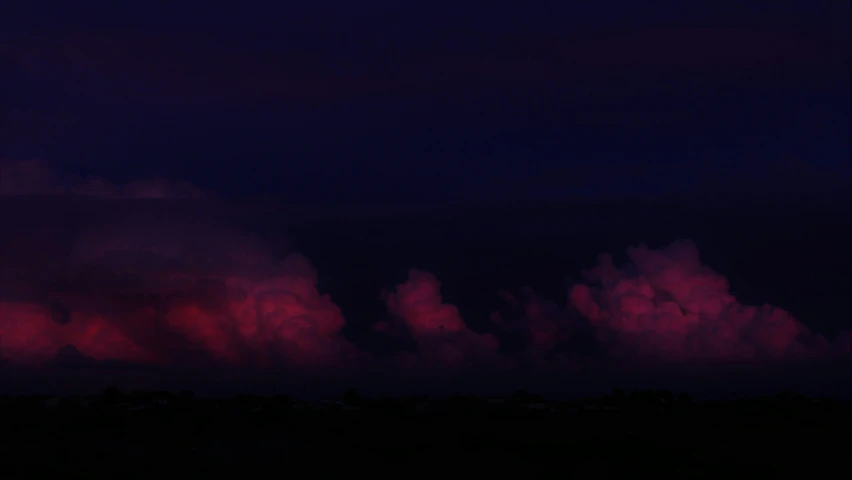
[{"x": 701, "y": 441}]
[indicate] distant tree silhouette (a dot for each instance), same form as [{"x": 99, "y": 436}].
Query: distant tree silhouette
[
  {"x": 635, "y": 398},
  {"x": 245, "y": 401},
  {"x": 351, "y": 397},
  {"x": 283, "y": 401},
  {"x": 522, "y": 397},
  {"x": 112, "y": 394},
  {"x": 684, "y": 398},
  {"x": 458, "y": 403}
]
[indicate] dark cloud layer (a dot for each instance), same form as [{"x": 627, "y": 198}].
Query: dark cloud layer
[{"x": 141, "y": 283}]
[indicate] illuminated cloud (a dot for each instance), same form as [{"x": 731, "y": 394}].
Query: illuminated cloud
[
  {"x": 281, "y": 319},
  {"x": 152, "y": 284},
  {"x": 665, "y": 304},
  {"x": 170, "y": 287},
  {"x": 443, "y": 339},
  {"x": 29, "y": 333}
]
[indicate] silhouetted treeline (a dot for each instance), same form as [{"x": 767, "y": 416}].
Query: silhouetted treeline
[
  {"x": 119, "y": 434},
  {"x": 619, "y": 401}
]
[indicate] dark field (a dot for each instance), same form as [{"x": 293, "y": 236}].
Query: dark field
[{"x": 695, "y": 442}]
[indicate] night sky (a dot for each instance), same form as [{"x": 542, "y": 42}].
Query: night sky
[{"x": 166, "y": 166}]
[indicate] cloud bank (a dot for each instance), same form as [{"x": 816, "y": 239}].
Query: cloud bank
[{"x": 173, "y": 288}]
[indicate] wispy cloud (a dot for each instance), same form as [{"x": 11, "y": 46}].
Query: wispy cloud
[{"x": 187, "y": 68}]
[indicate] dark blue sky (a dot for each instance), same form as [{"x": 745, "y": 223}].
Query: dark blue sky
[{"x": 435, "y": 102}]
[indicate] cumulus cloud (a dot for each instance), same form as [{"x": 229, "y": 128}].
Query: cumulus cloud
[
  {"x": 261, "y": 320},
  {"x": 181, "y": 286},
  {"x": 149, "y": 301},
  {"x": 31, "y": 334},
  {"x": 442, "y": 337},
  {"x": 278, "y": 319},
  {"x": 153, "y": 283},
  {"x": 665, "y": 304}
]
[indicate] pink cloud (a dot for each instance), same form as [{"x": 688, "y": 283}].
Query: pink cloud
[
  {"x": 666, "y": 304},
  {"x": 443, "y": 339}
]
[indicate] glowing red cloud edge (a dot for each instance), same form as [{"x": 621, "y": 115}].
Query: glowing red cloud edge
[
  {"x": 663, "y": 305},
  {"x": 247, "y": 310}
]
